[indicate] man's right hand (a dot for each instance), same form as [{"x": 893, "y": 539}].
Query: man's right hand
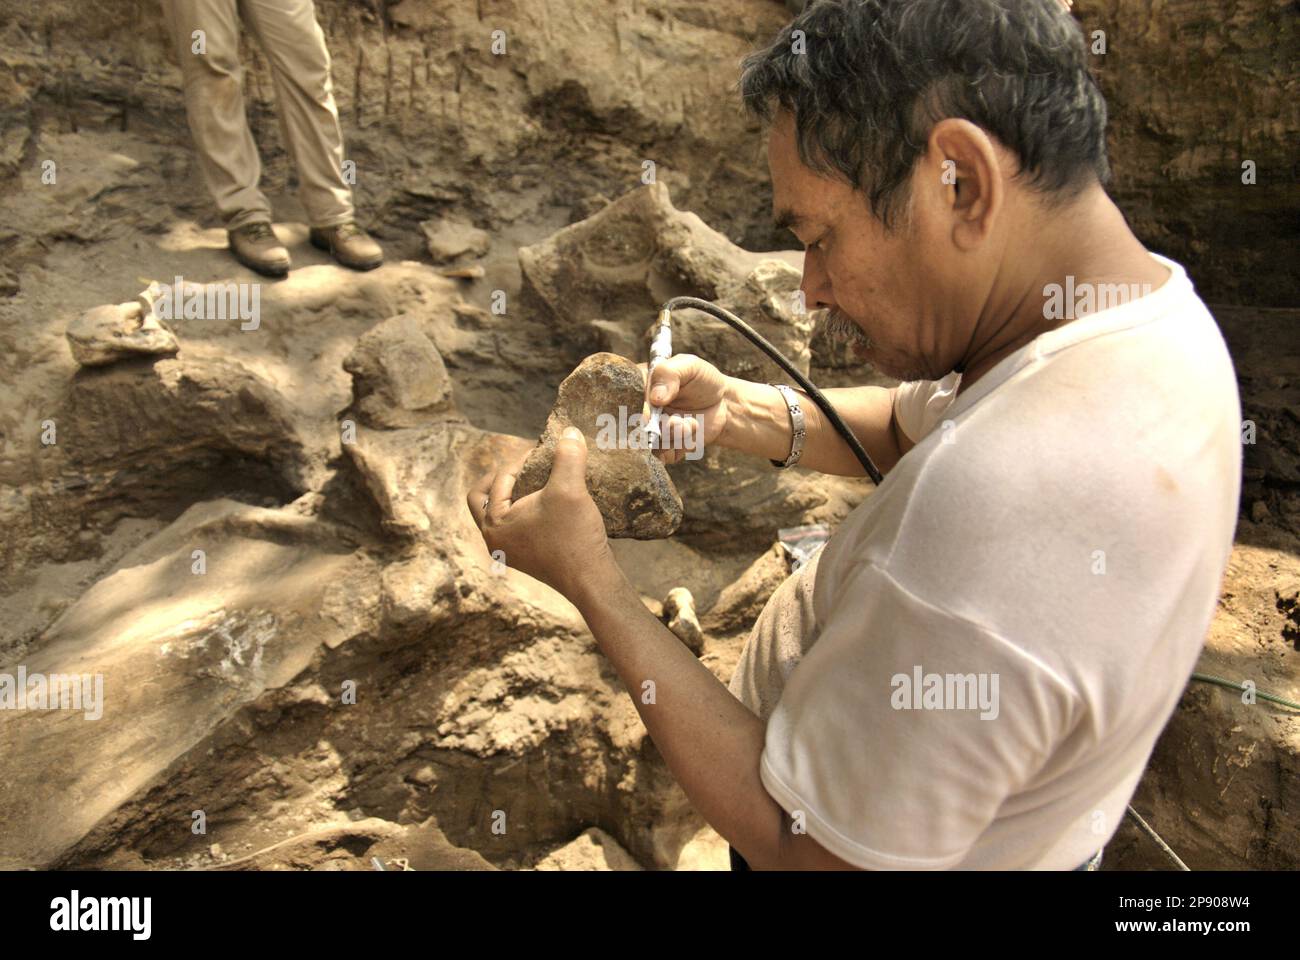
[
  {"x": 688, "y": 388},
  {"x": 753, "y": 418}
]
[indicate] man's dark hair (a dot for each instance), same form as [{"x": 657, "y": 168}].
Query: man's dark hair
[{"x": 876, "y": 75}]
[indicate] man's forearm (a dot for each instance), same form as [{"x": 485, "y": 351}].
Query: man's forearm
[{"x": 758, "y": 423}]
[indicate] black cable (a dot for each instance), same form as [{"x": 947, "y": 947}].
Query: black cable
[{"x": 757, "y": 339}]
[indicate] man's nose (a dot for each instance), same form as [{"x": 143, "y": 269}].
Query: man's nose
[{"x": 815, "y": 285}]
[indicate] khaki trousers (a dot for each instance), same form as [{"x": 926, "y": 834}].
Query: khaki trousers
[{"x": 294, "y": 44}]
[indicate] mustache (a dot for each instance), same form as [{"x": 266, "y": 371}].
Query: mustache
[{"x": 838, "y": 326}]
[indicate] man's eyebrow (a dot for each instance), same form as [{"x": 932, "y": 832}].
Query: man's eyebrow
[{"x": 787, "y": 219}]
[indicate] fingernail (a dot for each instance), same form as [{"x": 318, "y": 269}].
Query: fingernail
[
  {"x": 658, "y": 394},
  {"x": 572, "y": 433}
]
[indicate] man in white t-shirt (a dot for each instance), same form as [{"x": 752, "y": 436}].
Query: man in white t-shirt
[
  {"x": 973, "y": 672},
  {"x": 1049, "y": 551}
]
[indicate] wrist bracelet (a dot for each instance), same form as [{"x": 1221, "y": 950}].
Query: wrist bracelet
[{"x": 794, "y": 405}]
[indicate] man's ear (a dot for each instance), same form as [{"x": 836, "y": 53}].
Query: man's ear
[{"x": 968, "y": 169}]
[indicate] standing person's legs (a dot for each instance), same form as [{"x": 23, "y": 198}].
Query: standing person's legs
[
  {"x": 214, "y": 105},
  {"x": 309, "y": 120}
]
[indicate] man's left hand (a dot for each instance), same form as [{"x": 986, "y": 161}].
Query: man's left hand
[{"x": 556, "y": 534}]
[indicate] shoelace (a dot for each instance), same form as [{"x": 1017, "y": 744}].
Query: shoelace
[
  {"x": 346, "y": 230},
  {"x": 259, "y": 231}
]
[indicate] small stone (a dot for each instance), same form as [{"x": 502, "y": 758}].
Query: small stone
[
  {"x": 449, "y": 238},
  {"x": 424, "y": 775},
  {"x": 470, "y": 316},
  {"x": 215, "y": 850},
  {"x": 1259, "y": 511},
  {"x": 630, "y": 487},
  {"x": 1287, "y": 594},
  {"x": 119, "y": 331},
  {"x": 473, "y": 272},
  {"x": 594, "y": 849}
]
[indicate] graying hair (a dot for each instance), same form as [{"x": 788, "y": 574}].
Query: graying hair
[{"x": 876, "y": 75}]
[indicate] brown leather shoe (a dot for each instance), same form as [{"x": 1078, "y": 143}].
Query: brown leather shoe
[
  {"x": 256, "y": 247},
  {"x": 349, "y": 245}
]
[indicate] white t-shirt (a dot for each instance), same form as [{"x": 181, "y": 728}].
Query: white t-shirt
[{"x": 1043, "y": 565}]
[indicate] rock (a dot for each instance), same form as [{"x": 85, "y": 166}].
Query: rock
[
  {"x": 617, "y": 265},
  {"x": 246, "y": 412},
  {"x": 632, "y": 489},
  {"x": 450, "y": 238},
  {"x": 614, "y": 337},
  {"x": 1287, "y": 594},
  {"x": 739, "y": 604},
  {"x": 705, "y": 851},
  {"x": 412, "y": 475},
  {"x": 137, "y": 439},
  {"x": 181, "y": 653},
  {"x": 401, "y": 599},
  {"x": 474, "y": 272},
  {"x": 679, "y": 612},
  {"x": 601, "y": 282},
  {"x": 358, "y": 844},
  {"x": 415, "y": 591},
  {"x": 1259, "y": 511},
  {"x": 115, "y": 332},
  {"x": 471, "y": 316},
  {"x": 398, "y": 377},
  {"x": 594, "y": 849},
  {"x": 1172, "y": 186},
  {"x": 735, "y": 501}
]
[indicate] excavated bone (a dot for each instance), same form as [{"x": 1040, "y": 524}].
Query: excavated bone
[
  {"x": 106, "y": 334},
  {"x": 398, "y": 377},
  {"x": 602, "y": 397},
  {"x": 679, "y": 613}
]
